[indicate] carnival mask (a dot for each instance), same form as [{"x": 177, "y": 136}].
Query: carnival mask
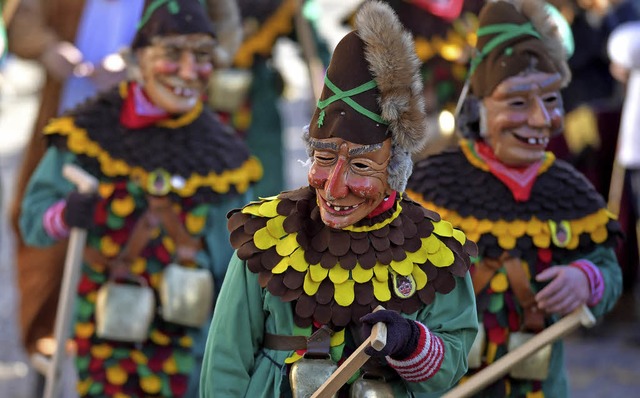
[
  {"x": 175, "y": 70},
  {"x": 351, "y": 180},
  {"x": 521, "y": 115}
]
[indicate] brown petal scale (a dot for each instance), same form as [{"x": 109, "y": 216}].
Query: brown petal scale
[
  {"x": 276, "y": 285},
  {"x": 305, "y": 306},
  {"x": 322, "y": 314},
  {"x": 320, "y": 242},
  {"x": 340, "y": 316},
  {"x": 236, "y": 220},
  {"x": 238, "y": 237},
  {"x": 328, "y": 260},
  {"x": 359, "y": 246},
  {"x": 384, "y": 257},
  {"x": 247, "y": 250},
  {"x": 254, "y": 224},
  {"x": 324, "y": 295},
  {"x": 339, "y": 243},
  {"x": 348, "y": 261},
  {"x": 270, "y": 258},
  {"x": 380, "y": 244},
  {"x": 368, "y": 259},
  {"x": 293, "y": 279},
  {"x": 363, "y": 293}
]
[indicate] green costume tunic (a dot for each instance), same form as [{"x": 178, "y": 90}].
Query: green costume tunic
[
  {"x": 193, "y": 161},
  {"x": 291, "y": 274},
  {"x": 563, "y": 220}
]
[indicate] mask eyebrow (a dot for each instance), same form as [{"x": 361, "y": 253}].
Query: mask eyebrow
[
  {"x": 318, "y": 144},
  {"x": 365, "y": 149}
]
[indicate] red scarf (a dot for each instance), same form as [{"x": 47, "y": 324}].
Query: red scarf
[
  {"x": 385, "y": 205},
  {"x": 519, "y": 180},
  {"x": 138, "y": 111}
]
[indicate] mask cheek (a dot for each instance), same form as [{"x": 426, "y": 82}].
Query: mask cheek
[
  {"x": 165, "y": 67},
  {"x": 204, "y": 71},
  {"x": 317, "y": 177},
  {"x": 557, "y": 122}
]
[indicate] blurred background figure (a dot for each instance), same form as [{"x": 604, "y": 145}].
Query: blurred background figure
[
  {"x": 624, "y": 51},
  {"x": 593, "y": 104},
  {"x": 248, "y": 95}
]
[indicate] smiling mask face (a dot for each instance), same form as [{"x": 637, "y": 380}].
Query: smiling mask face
[
  {"x": 351, "y": 180},
  {"x": 521, "y": 115},
  {"x": 176, "y": 69}
]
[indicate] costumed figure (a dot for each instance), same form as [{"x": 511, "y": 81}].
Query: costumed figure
[
  {"x": 247, "y": 94},
  {"x": 444, "y": 33},
  {"x": 311, "y": 264},
  {"x": 168, "y": 173},
  {"x": 545, "y": 238},
  {"x": 63, "y": 35}
]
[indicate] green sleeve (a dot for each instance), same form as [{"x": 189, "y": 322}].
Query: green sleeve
[
  {"x": 235, "y": 336},
  {"x": 454, "y": 319},
  {"x": 46, "y": 187},
  {"x": 605, "y": 259}
]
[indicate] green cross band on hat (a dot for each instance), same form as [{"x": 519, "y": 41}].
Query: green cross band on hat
[
  {"x": 172, "y": 6},
  {"x": 346, "y": 97},
  {"x": 505, "y": 32}
]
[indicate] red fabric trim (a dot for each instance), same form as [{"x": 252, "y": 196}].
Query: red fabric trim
[
  {"x": 519, "y": 180},
  {"x": 426, "y": 360},
  {"x": 384, "y": 205},
  {"x": 131, "y": 118}
]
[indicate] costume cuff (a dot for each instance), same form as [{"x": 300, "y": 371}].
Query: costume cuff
[
  {"x": 53, "y": 222},
  {"x": 425, "y": 360},
  {"x": 594, "y": 276}
]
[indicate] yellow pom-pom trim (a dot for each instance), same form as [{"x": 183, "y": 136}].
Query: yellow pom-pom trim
[{"x": 79, "y": 143}]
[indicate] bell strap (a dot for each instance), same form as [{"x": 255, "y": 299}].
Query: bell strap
[
  {"x": 186, "y": 245},
  {"x": 519, "y": 281},
  {"x": 483, "y": 272},
  {"x": 317, "y": 345}
]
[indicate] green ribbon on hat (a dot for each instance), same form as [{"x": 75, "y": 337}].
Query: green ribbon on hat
[
  {"x": 504, "y": 32},
  {"x": 346, "y": 97},
  {"x": 172, "y": 6}
]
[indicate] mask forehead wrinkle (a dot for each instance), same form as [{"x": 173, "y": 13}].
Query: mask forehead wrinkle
[{"x": 549, "y": 83}]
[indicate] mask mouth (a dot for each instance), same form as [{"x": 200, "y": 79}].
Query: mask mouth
[
  {"x": 533, "y": 141},
  {"x": 339, "y": 210}
]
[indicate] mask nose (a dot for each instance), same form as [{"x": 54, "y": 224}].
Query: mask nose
[{"x": 336, "y": 186}]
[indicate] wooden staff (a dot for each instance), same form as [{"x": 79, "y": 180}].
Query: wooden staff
[
  {"x": 377, "y": 340},
  {"x": 10, "y": 7},
  {"x": 310, "y": 53},
  {"x": 85, "y": 183},
  {"x": 581, "y": 316}
]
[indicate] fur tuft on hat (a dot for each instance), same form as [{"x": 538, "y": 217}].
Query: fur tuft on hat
[
  {"x": 510, "y": 35},
  {"x": 373, "y": 90},
  {"x": 390, "y": 53}
]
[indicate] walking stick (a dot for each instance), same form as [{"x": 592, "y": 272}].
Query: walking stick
[
  {"x": 310, "y": 53},
  {"x": 377, "y": 340},
  {"x": 85, "y": 183},
  {"x": 581, "y": 316}
]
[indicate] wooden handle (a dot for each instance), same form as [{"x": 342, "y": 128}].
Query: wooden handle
[
  {"x": 581, "y": 316},
  {"x": 84, "y": 181},
  {"x": 377, "y": 339}
]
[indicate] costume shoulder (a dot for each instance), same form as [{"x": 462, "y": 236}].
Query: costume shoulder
[
  {"x": 193, "y": 153},
  {"x": 400, "y": 258},
  {"x": 563, "y": 210}
]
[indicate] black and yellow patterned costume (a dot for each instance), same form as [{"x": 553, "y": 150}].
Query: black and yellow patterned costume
[{"x": 563, "y": 220}]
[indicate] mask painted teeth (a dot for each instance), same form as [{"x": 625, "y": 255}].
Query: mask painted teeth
[
  {"x": 533, "y": 140},
  {"x": 183, "y": 91},
  {"x": 342, "y": 208}
]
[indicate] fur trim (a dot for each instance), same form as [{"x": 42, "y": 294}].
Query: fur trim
[
  {"x": 390, "y": 53},
  {"x": 535, "y": 11},
  {"x": 225, "y": 15}
]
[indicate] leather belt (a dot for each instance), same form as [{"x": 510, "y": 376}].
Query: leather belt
[{"x": 282, "y": 342}]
